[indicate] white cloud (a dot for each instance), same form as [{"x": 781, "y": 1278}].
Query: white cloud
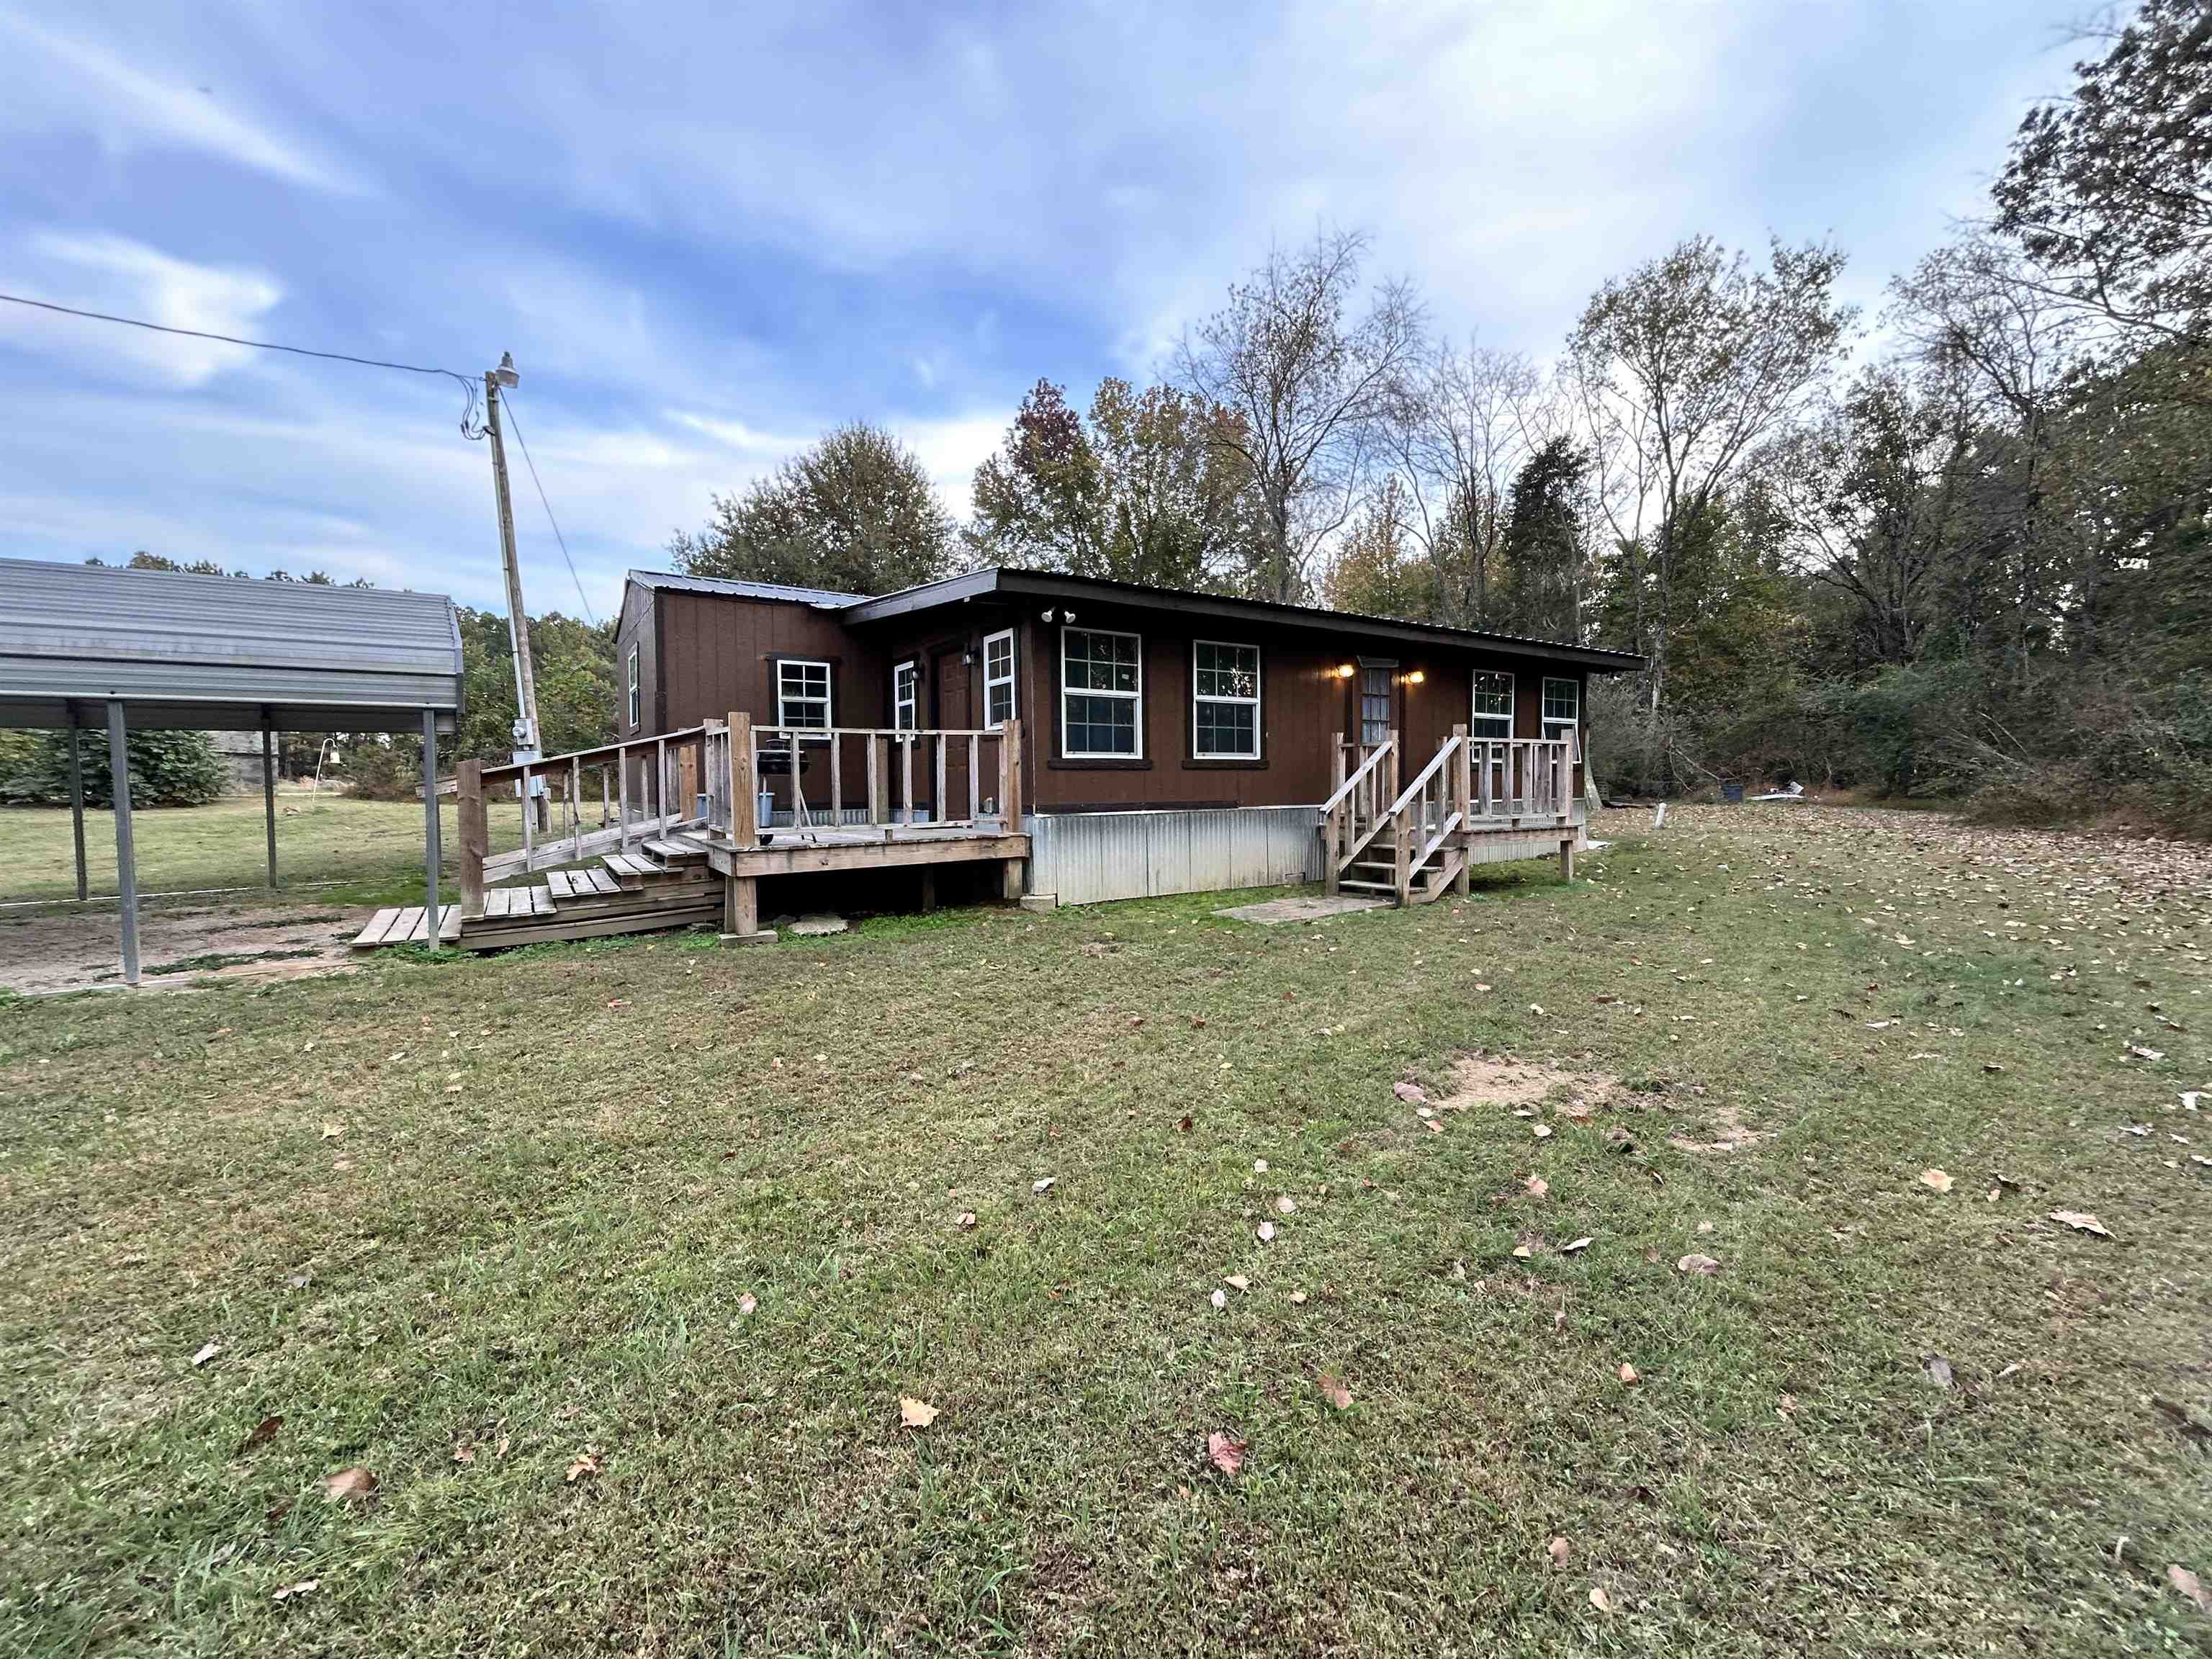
[
  {"x": 950, "y": 448},
  {"x": 114, "y": 274},
  {"x": 70, "y": 84}
]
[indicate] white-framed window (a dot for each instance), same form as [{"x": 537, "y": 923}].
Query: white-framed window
[
  {"x": 1491, "y": 715},
  {"x": 998, "y": 678},
  {"x": 802, "y": 692},
  {"x": 634, "y": 709},
  {"x": 1562, "y": 706},
  {"x": 906, "y": 697},
  {"x": 1102, "y": 692},
  {"x": 1224, "y": 701}
]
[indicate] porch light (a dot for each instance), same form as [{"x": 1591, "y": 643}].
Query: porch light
[
  {"x": 1344, "y": 671},
  {"x": 1415, "y": 678}
]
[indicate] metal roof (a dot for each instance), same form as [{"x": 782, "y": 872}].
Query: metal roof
[
  {"x": 1006, "y": 580},
  {"x": 822, "y": 597},
  {"x": 217, "y": 653}
]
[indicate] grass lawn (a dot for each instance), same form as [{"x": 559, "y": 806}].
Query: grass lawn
[
  {"x": 612, "y": 1263},
  {"x": 371, "y": 849}
]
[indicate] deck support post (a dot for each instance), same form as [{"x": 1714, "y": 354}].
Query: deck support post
[
  {"x": 432, "y": 853},
  {"x": 126, "y": 861},
  {"x": 928, "y": 888},
  {"x": 1567, "y": 860},
  {"x": 744, "y": 791},
  {"x": 1332, "y": 823},
  {"x": 76, "y": 800},
  {"x": 268, "y": 792},
  {"x": 741, "y": 906},
  {"x": 475, "y": 840}
]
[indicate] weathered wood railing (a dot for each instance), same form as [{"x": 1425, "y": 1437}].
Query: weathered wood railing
[
  {"x": 866, "y": 770},
  {"x": 1469, "y": 788},
  {"x": 641, "y": 787},
  {"x": 1353, "y": 814}
]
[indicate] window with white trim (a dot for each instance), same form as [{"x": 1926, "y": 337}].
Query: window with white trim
[
  {"x": 1224, "y": 701},
  {"x": 1102, "y": 689},
  {"x": 802, "y": 692},
  {"x": 1562, "y": 706},
  {"x": 906, "y": 697},
  {"x": 1492, "y": 716},
  {"x": 634, "y": 698},
  {"x": 998, "y": 678}
]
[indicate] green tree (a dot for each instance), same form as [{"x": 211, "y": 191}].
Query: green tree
[
  {"x": 168, "y": 769},
  {"x": 1545, "y": 566},
  {"x": 1380, "y": 570},
  {"x": 856, "y": 512}
]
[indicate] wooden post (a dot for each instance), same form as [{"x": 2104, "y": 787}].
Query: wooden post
[
  {"x": 1567, "y": 860},
  {"x": 837, "y": 780},
  {"x": 77, "y": 799},
  {"x": 126, "y": 861},
  {"x": 906, "y": 779},
  {"x": 1461, "y": 771},
  {"x": 269, "y": 793},
  {"x": 745, "y": 797},
  {"x": 937, "y": 795},
  {"x": 606, "y": 808},
  {"x": 975, "y": 778},
  {"x": 929, "y": 887},
  {"x": 576, "y": 806},
  {"x": 476, "y": 839},
  {"x": 660, "y": 785},
  {"x": 1011, "y": 804},
  {"x": 1331, "y": 826},
  {"x": 741, "y": 906},
  {"x": 875, "y": 781},
  {"x": 432, "y": 853},
  {"x": 622, "y": 799}
]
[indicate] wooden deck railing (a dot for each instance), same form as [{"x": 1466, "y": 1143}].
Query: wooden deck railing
[
  {"x": 1469, "y": 788},
  {"x": 640, "y": 782},
  {"x": 870, "y": 770}
]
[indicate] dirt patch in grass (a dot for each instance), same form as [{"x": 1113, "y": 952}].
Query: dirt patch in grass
[
  {"x": 1725, "y": 1130},
  {"x": 1479, "y": 1080},
  {"x": 79, "y": 950}
]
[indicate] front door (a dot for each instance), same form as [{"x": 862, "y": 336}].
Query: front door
[
  {"x": 1374, "y": 713},
  {"x": 952, "y": 682}
]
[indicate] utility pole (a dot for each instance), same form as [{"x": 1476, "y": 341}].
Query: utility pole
[{"x": 518, "y": 618}]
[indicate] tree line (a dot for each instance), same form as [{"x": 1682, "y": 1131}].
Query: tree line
[{"x": 1957, "y": 545}]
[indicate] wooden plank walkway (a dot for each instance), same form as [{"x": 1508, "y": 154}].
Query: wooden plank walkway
[{"x": 405, "y": 925}]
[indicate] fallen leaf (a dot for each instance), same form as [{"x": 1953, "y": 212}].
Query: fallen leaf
[
  {"x": 332, "y": 1131},
  {"x": 1697, "y": 1264},
  {"x": 1286, "y": 1204},
  {"x": 1297, "y": 1298},
  {"x": 464, "y": 1454},
  {"x": 1938, "y": 1370},
  {"x": 1579, "y": 1244},
  {"x": 1936, "y": 1179},
  {"x": 1629, "y": 1375},
  {"x": 1259, "y": 1166},
  {"x": 746, "y": 1305},
  {"x": 1040, "y": 1187},
  {"x": 1412, "y": 1093},
  {"x": 1266, "y": 1232},
  {"x": 2081, "y": 1221},
  {"x": 1334, "y": 1391},
  {"x": 1598, "y": 1600},
  {"x": 1220, "y": 1300},
  {"x": 348, "y": 1486},
  {"x": 586, "y": 1463},
  {"x": 205, "y": 1354},
  {"x": 2186, "y": 1583},
  {"x": 305, "y": 1587},
  {"x": 1558, "y": 1549},
  {"x": 2142, "y": 1053},
  {"x": 1238, "y": 1282},
  {"x": 915, "y": 1413},
  {"x": 1183, "y": 1123},
  {"x": 264, "y": 1432},
  {"x": 617, "y": 1002},
  {"x": 1537, "y": 1185},
  {"x": 1543, "y": 1132},
  {"x": 967, "y": 1221},
  {"x": 1225, "y": 1451}
]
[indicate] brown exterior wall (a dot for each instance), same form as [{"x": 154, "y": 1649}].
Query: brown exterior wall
[{"x": 716, "y": 655}]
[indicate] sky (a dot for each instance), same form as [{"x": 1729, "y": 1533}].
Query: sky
[{"x": 708, "y": 232}]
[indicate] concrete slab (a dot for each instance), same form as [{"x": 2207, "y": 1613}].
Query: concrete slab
[
  {"x": 818, "y": 926},
  {"x": 1042, "y": 904},
  {"x": 766, "y": 936},
  {"x": 1305, "y": 907}
]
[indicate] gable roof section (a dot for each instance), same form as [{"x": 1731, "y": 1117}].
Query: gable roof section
[
  {"x": 1003, "y": 581},
  {"x": 822, "y": 598},
  {"x": 213, "y": 652}
]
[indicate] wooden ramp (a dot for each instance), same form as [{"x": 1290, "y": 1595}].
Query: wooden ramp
[
  {"x": 626, "y": 892},
  {"x": 408, "y": 926}
]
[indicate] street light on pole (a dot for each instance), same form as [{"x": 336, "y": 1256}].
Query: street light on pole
[{"x": 518, "y": 618}]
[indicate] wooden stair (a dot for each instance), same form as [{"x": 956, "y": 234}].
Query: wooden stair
[{"x": 626, "y": 892}]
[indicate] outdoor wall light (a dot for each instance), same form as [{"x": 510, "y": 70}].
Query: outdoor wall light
[
  {"x": 1415, "y": 678},
  {"x": 1344, "y": 671}
]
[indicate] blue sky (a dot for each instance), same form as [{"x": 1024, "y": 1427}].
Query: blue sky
[{"x": 707, "y": 232}]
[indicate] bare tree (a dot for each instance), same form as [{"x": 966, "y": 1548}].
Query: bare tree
[
  {"x": 1680, "y": 369},
  {"x": 1308, "y": 384},
  {"x": 1458, "y": 427}
]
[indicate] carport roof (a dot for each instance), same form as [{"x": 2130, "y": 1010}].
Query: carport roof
[{"x": 221, "y": 653}]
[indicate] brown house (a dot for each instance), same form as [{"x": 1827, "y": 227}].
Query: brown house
[{"x": 1163, "y": 741}]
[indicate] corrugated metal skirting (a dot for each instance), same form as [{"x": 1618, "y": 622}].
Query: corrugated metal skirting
[{"x": 1089, "y": 857}]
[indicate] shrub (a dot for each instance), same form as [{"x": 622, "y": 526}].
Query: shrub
[{"x": 168, "y": 769}]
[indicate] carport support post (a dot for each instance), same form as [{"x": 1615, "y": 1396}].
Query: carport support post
[
  {"x": 76, "y": 800},
  {"x": 431, "y": 851},
  {"x": 269, "y": 793},
  {"x": 126, "y": 862}
]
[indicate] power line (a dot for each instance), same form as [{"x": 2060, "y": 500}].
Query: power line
[
  {"x": 469, "y": 426},
  {"x": 524, "y": 443}
]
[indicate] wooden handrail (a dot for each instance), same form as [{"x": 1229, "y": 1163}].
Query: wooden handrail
[
  {"x": 1406, "y": 796},
  {"x": 545, "y": 765},
  {"x": 1350, "y": 783}
]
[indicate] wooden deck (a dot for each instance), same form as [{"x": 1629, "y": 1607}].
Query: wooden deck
[{"x": 667, "y": 884}]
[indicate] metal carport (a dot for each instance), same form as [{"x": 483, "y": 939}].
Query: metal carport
[{"x": 90, "y": 646}]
